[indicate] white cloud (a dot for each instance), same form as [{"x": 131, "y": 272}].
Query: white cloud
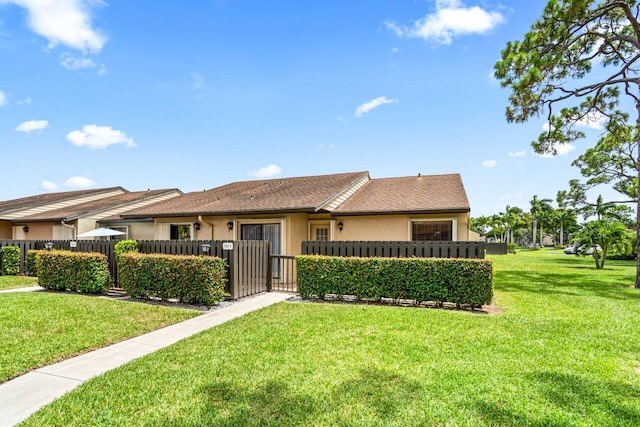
[
  {"x": 3, "y": 98},
  {"x": 489, "y": 163},
  {"x": 65, "y": 22},
  {"x": 71, "y": 63},
  {"x": 49, "y": 186},
  {"x": 24, "y": 101},
  {"x": 267, "y": 172},
  {"x": 79, "y": 182},
  {"x": 374, "y": 103},
  {"x": 94, "y": 136},
  {"x": 450, "y": 19},
  {"x": 198, "y": 81},
  {"x": 326, "y": 146},
  {"x": 560, "y": 149},
  {"x": 518, "y": 153},
  {"x": 32, "y": 125},
  {"x": 594, "y": 120}
]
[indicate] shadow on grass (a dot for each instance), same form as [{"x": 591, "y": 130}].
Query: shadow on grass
[
  {"x": 569, "y": 399},
  {"x": 372, "y": 396}
]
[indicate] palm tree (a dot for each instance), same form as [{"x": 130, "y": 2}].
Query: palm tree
[
  {"x": 538, "y": 206},
  {"x": 513, "y": 217}
]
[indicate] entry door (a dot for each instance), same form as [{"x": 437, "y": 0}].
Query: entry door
[{"x": 268, "y": 232}]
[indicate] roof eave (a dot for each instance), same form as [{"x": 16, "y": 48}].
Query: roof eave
[
  {"x": 309, "y": 210},
  {"x": 404, "y": 212}
]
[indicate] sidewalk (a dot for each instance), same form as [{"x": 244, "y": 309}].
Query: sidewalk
[
  {"x": 24, "y": 395},
  {"x": 29, "y": 289}
]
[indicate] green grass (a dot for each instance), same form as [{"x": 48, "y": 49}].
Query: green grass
[
  {"x": 563, "y": 352},
  {"x": 39, "y": 328},
  {"x": 13, "y": 282}
]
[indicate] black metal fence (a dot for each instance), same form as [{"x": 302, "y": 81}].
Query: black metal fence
[
  {"x": 397, "y": 249},
  {"x": 283, "y": 275}
]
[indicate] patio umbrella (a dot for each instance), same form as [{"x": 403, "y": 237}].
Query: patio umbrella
[{"x": 101, "y": 232}]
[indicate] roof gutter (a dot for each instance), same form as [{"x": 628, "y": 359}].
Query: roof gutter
[
  {"x": 408, "y": 212},
  {"x": 206, "y": 222}
]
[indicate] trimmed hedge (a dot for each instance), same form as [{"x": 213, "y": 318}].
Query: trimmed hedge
[
  {"x": 125, "y": 246},
  {"x": 459, "y": 281},
  {"x": 30, "y": 268},
  {"x": 188, "y": 279},
  {"x": 75, "y": 271},
  {"x": 10, "y": 260}
]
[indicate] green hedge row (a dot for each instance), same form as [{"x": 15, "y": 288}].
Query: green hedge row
[
  {"x": 74, "y": 271},
  {"x": 188, "y": 279},
  {"x": 30, "y": 268},
  {"x": 10, "y": 260},
  {"x": 459, "y": 281}
]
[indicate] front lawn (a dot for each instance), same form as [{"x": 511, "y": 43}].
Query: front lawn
[
  {"x": 14, "y": 282},
  {"x": 40, "y": 328},
  {"x": 564, "y": 351}
]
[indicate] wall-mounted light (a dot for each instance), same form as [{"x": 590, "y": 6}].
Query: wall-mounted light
[
  {"x": 206, "y": 248},
  {"x": 25, "y": 228},
  {"x": 196, "y": 226},
  {"x": 48, "y": 246},
  {"x": 340, "y": 226},
  {"x": 230, "y": 225}
]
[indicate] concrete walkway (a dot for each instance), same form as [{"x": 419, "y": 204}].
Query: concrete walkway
[
  {"x": 24, "y": 395},
  {"x": 29, "y": 289}
]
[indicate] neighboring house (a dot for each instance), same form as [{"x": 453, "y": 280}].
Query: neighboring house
[
  {"x": 288, "y": 211},
  {"x": 61, "y": 216}
]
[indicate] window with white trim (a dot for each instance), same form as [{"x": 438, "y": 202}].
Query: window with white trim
[{"x": 432, "y": 230}]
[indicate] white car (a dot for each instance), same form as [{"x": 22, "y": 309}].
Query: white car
[{"x": 581, "y": 250}]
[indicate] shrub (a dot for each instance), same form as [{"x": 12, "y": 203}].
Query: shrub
[
  {"x": 10, "y": 260},
  {"x": 188, "y": 279},
  {"x": 125, "y": 246},
  {"x": 511, "y": 248},
  {"x": 30, "y": 262},
  {"x": 74, "y": 271},
  {"x": 460, "y": 281}
]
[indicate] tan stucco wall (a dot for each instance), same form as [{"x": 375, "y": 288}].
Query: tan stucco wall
[
  {"x": 391, "y": 227},
  {"x": 40, "y": 231},
  {"x": 85, "y": 224},
  {"x": 140, "y": 230},
  {"x": 295, "y": 227}
]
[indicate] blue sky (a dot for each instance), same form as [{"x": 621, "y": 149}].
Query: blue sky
[{"x": 193, "y": 95}]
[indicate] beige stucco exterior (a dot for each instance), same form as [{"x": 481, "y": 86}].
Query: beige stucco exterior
[{"x": 298, "y": 227}]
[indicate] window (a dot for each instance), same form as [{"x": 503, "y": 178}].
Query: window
[
  {"x": 322, "y": 234},
  {"x": 180, "y": 232},
  {"x": 432, "y": 230}
]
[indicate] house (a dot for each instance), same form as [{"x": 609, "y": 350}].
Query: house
[
  {"x": 338, "y": 207},
  {"x": 63, "y": 215}
]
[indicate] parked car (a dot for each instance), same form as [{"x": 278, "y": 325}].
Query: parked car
[{"x": 581, "y": 250}]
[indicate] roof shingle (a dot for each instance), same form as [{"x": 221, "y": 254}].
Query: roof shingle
[
  {"x": 75, "y": 211},
  {"x": 301, "y": 194},
  {"x": 426, "y": 193}
]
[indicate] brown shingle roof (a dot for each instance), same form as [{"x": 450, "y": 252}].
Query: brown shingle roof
[
  {"x": 413, "y": 194},
  {"x": 72, "y": 212},
  {"x": 47, "y": 198},
  {"x": 301, "y": 194}
]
